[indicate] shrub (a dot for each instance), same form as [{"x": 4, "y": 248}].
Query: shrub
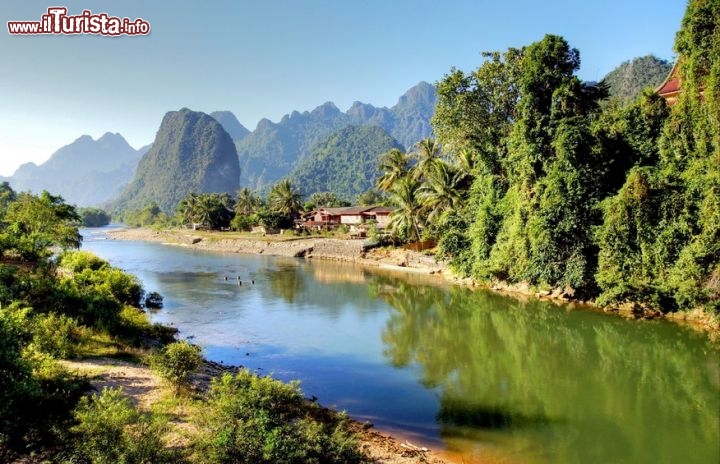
[
  {"x": 176, "y": 362},
  {"x": 252, "y": 419},
  {"x": 242, "y": 222},
  {"x": 111, "y": 430},
  {"x": 56, "y": 335},
  {"x": 78, "y": 261}
]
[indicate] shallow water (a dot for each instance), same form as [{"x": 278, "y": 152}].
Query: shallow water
[{"x": 475, "y": 373}]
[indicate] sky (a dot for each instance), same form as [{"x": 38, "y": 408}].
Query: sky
[{"x": 266, "y": 58}]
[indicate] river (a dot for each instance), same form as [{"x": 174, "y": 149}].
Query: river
[{"x": 482, "y": 376}]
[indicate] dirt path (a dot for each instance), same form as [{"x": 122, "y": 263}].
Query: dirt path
[{"x": 145, "y": 389}]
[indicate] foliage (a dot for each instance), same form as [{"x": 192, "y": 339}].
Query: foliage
[
  {"x": 247, "y": 202},
  {"x": 245, "y": 223},
  {"x": 176, "y": 362},
  {"x": 285, "y": 198},
  {"x": 252, "y": 419},
  {"x": 345, "y": 163},
  {"x": 660, "y": 239},
  {"x": 150, "y": 215},
  {"x": 370, "y": 197},
  {"x": 153, "y": 300},
  {"x": 93, "y": 217},
  {"x": 274, "y": 220},
  {"x": 78, "y": 261},
  {"x": 324, "y": 200},
  {"x": 33, "y": 224},
  {"x": 111, "y": 430},
  {"x": 207, "y": 210}
]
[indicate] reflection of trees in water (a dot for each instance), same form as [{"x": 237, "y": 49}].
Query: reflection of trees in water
[
  {"x": 501, "y": 363},
  {"x": 286, "y": 280}
]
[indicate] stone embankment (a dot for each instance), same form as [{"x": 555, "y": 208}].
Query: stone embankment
[{"x": 309, "y": 247}]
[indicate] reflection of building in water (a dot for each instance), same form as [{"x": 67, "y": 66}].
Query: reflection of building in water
[{"x": 337, "y": 272}]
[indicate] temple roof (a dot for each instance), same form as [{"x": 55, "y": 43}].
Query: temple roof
[{"x": 670, "y": 88}]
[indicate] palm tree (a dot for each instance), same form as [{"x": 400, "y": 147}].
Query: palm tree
[
  {"x": 284, "y": 198},
  {"x": 394, "y": 166},
  {"x": 188, "y": 209},
  {"x": 444, "y": 189},
  {"x": 428, "y": 155},
  {"x": 247, "y": 202},
  {"x": 404, "y": 221}
]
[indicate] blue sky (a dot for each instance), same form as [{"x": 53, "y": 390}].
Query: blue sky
[{"x": 267, "y": 58}]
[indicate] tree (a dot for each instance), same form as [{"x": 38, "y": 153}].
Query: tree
[
  {"x": 394, "y": 165},
  {"x": 660, "y": 237},
  {"x": 36, "y": 223},
  {"x": 443, "y": 189},
  {"x": 427, "y": 155},
  {"x": 247, "y": 202},
  {"x": 207, "y": 210},
  {"x": 405, "y": 221},
  {"x": 284, "y": 198},
  {"x": 324, "y": 200}
]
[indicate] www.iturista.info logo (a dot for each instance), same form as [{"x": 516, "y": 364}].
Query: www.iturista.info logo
[{"x": 57, "y": 21}]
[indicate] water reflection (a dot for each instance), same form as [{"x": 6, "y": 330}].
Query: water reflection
[
  {"x": 485, "y": 373},
  {"x": 588, "y": 387}
]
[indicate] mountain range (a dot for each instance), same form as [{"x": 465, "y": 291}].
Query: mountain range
[
  {"x": 86, "y": 172},
  {"x": 272, "y": 150}
]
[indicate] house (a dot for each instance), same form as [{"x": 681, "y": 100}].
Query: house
[{"x": 353, "y": 216}]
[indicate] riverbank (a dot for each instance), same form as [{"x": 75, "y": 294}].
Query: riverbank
[
  {"x": 396, "y": 259},
  {"x": 148, "y": 392}
]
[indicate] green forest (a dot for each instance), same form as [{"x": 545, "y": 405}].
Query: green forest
[{"x": 537, "y": 177}]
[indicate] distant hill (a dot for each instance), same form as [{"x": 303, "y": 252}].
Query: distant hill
[
  {"x": 346, "y": 163},
  {"x": 627, "y": 81},
  {"x": 231, "y": 125},
  {"x": 86, "y": 172},
  {"x": 272, "y": 150},
  {"x": 191, "y": 153}
]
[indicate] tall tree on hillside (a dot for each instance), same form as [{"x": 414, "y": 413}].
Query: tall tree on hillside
[{"x": 285, "y": 198}]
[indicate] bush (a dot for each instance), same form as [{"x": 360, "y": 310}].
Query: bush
[
  {"x": 242, "y": 222},
  {"x": 252, "y": 419},
  {"x": 111, "y": 430},
  {"x": 176, "y": 362},
  {"x": 78, "y": 261},
  {"x": 56, "y": 335}
]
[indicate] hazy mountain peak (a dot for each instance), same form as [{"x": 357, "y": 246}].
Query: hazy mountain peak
[
  {"x": 326, "y": 109},
  {"x": 86, "y": 172},
  {"x": 230, "y": 123}
]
